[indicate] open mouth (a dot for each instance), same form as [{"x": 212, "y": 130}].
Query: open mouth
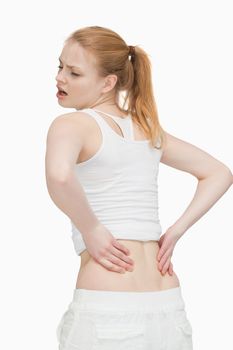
[{"x": 62, "y": 92}]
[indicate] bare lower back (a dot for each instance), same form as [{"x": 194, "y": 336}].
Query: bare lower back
[{"x": 144, "y": 277}]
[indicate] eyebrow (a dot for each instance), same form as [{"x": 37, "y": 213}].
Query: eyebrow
[{"x": 68, "y": 65}]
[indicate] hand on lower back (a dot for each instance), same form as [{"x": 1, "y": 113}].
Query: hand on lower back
[
  {"x": 167, "y": 244},
  {"x": 107, "y": 251}
]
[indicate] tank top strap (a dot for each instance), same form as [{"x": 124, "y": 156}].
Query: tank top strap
[
  {"x": 99, "y": 120},
  {"x": 125, "y": 124}
]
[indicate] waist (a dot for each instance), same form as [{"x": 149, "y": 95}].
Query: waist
[
  {"x": 111, "y": 301},
  {"x": 145, "y": 276},
  {"x": 142, "y": 252}
]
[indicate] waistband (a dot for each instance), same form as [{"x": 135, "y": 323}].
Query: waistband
[{"x": 99, "y": 300}]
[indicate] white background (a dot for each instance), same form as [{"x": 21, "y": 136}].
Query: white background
[{"x": 190, "y": 47}]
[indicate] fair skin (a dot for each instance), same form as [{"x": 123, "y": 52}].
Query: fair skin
[{"x": 88, "y": 90}]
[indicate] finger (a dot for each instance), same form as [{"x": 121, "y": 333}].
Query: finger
[
  {"x": 120, "y": 246},
  {"x": 171, "y": 268},
  {"x": 116, "y": 252},
  {"x": 164, "y": 258},
  {"x": 161, "y": 252},
  {"x": 120, "y": 263},
  {"x": 117, "y": 261},
  {"x": 163, "y": 247},
  {"x": 165, "y": 266},
  {"x": 110, "y": 266}
]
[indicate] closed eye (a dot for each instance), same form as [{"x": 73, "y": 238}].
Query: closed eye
[{"x": 71, "y": 73}]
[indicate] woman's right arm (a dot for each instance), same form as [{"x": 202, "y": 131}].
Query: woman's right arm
[{"x": 64, "y": 142}]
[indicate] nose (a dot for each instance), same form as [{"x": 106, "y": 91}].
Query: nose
[{"x": 59, "y": 77}]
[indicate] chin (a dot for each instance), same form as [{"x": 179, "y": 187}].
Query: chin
[{"x": 63, "y": 104}]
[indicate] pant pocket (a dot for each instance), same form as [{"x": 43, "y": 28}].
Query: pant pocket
[
  {"x": 76, "y": 330},
  {"x": 65, "y": 325},
  {"x": 184, "y": 330},
  {"x": 120, "y": 337}
]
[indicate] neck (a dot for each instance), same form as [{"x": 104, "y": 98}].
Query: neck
[{"x": 110, "y": 108}]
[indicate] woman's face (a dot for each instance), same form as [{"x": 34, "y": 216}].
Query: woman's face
[{"x": 81, "y": 82}]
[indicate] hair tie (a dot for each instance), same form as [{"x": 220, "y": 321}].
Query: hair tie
[{"x": 131, "y": 51}]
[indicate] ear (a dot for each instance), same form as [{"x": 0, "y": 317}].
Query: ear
[{"x": 110, "y": 82}]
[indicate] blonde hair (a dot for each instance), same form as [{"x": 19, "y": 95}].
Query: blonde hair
[{"x": 133, "y": 76}]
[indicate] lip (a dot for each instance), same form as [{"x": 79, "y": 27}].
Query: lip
[
  {"x": 60, "y": 96},
  {"x": 60, "y": 88}
]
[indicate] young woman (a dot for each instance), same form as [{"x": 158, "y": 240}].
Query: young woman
[{"x": 102, "y": 164}]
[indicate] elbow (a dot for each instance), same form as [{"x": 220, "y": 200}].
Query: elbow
[
  {"x": 230, "y": 177},
  {"x": 221, "y": 171},
  {"x": 226, "y": 174}
]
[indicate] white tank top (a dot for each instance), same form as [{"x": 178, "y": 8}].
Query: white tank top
[{"x": 120, "y": 183}]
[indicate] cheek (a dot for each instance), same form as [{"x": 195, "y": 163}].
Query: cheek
[
  {"x": 87, "y": 88},
  {"x": 80, "y": 85}
]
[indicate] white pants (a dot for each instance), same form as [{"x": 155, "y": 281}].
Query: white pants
[{"x": 115, "y": 320}]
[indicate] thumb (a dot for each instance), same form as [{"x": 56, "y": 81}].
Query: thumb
[{"x": 161, "y": 246}]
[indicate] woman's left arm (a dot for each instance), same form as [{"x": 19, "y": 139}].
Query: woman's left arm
[{"x": 214, "y": 178}]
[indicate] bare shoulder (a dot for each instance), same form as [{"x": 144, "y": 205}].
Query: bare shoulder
[
  {"x": 77, "y": 119},
  {"x": 71, "y": 123},
  {"x": 65, "y": 140},
  {"x": 183, "y": 155}
]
